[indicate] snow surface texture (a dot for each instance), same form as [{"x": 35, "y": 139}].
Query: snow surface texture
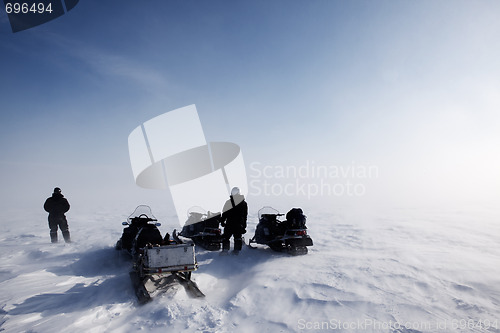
[{"x": 428, "y": 270}]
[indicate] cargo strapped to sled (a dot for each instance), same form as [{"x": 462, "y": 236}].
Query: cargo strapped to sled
[{"x": 170, "y": 258}]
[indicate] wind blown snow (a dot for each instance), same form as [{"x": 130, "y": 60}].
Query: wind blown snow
[{"x": 403, "y": 271}]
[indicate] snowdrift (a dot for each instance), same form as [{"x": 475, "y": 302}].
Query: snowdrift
[{"x": 407, "y": 271}]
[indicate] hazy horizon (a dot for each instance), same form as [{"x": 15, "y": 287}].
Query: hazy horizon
[{"x": 410, "y": 88}]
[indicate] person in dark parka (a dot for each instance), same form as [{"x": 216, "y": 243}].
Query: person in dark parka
[
  {"x": 234, "y": 220},
  {"x": 56, "y": 206}
]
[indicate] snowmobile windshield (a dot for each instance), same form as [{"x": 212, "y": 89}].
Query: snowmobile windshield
[
  {"x": 196, "y": 214},
  {"x": 141, "y": 211},
  {"x": 197, "y": 210},
  {"x": 267, "y": 210}
]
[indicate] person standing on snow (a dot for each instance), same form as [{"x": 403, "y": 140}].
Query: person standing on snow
[
  {"x": 56, "y": 206},
  {"x": 234, "y": 220}
]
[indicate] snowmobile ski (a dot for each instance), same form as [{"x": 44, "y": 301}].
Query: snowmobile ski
[
  {"x": 141, "y": 292},
  {"x": 190, "y": 286}
]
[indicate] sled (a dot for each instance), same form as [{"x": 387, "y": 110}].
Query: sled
[
  {"x": 159, "y": 267},
  {"x": 157, "y": 262}
]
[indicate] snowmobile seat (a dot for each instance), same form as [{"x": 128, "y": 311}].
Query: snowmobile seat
[
  {"x": 212, "y": 222},
  {"x": 272, "y": 224},
  {"x": 148, "y": 234},
  {"x": 295, "y": 219},
  {"x": 128, "y": 236},
  {"x": 198, "y": 227}
]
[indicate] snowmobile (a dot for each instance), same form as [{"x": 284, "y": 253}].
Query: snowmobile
[
  {"x": 157, "y": 262},
  {"x": 289, "y": 235},
  {"x": 203, "y": 228}
]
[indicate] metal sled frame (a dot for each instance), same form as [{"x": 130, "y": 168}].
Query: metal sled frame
[{"x": 164, "y": 265}]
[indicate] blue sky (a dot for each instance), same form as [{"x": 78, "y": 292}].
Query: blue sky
[{"x": 412, "y": 87}]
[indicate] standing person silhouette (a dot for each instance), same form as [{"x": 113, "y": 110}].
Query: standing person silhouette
[
  {"x": 234, "y": 220},
  {"x": 56, "y": 206}
]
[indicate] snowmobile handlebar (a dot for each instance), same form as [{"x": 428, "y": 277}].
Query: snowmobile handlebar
[{"x": 144, "y": 216}]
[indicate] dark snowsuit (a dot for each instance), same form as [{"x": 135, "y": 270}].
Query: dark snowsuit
[
  {"x": 56, "y": 206},
  {"x": 234, "y": 221}
]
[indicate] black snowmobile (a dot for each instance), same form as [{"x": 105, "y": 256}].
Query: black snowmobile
[
  {"x": 203, "y": 228},
  {"x": 157, "y": 262},
  {"x": 289, "y": 235},
  {"x": 140, "y": 231}
]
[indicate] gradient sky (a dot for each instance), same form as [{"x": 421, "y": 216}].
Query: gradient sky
[{"x": 410, "y": 86}]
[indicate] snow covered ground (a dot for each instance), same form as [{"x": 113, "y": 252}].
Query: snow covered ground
[{"x": 428, "y": 270}]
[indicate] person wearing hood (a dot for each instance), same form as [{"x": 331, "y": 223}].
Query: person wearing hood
[
  {"x": 56, "y": 206},
  {"x": 234, "y": 220}
]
